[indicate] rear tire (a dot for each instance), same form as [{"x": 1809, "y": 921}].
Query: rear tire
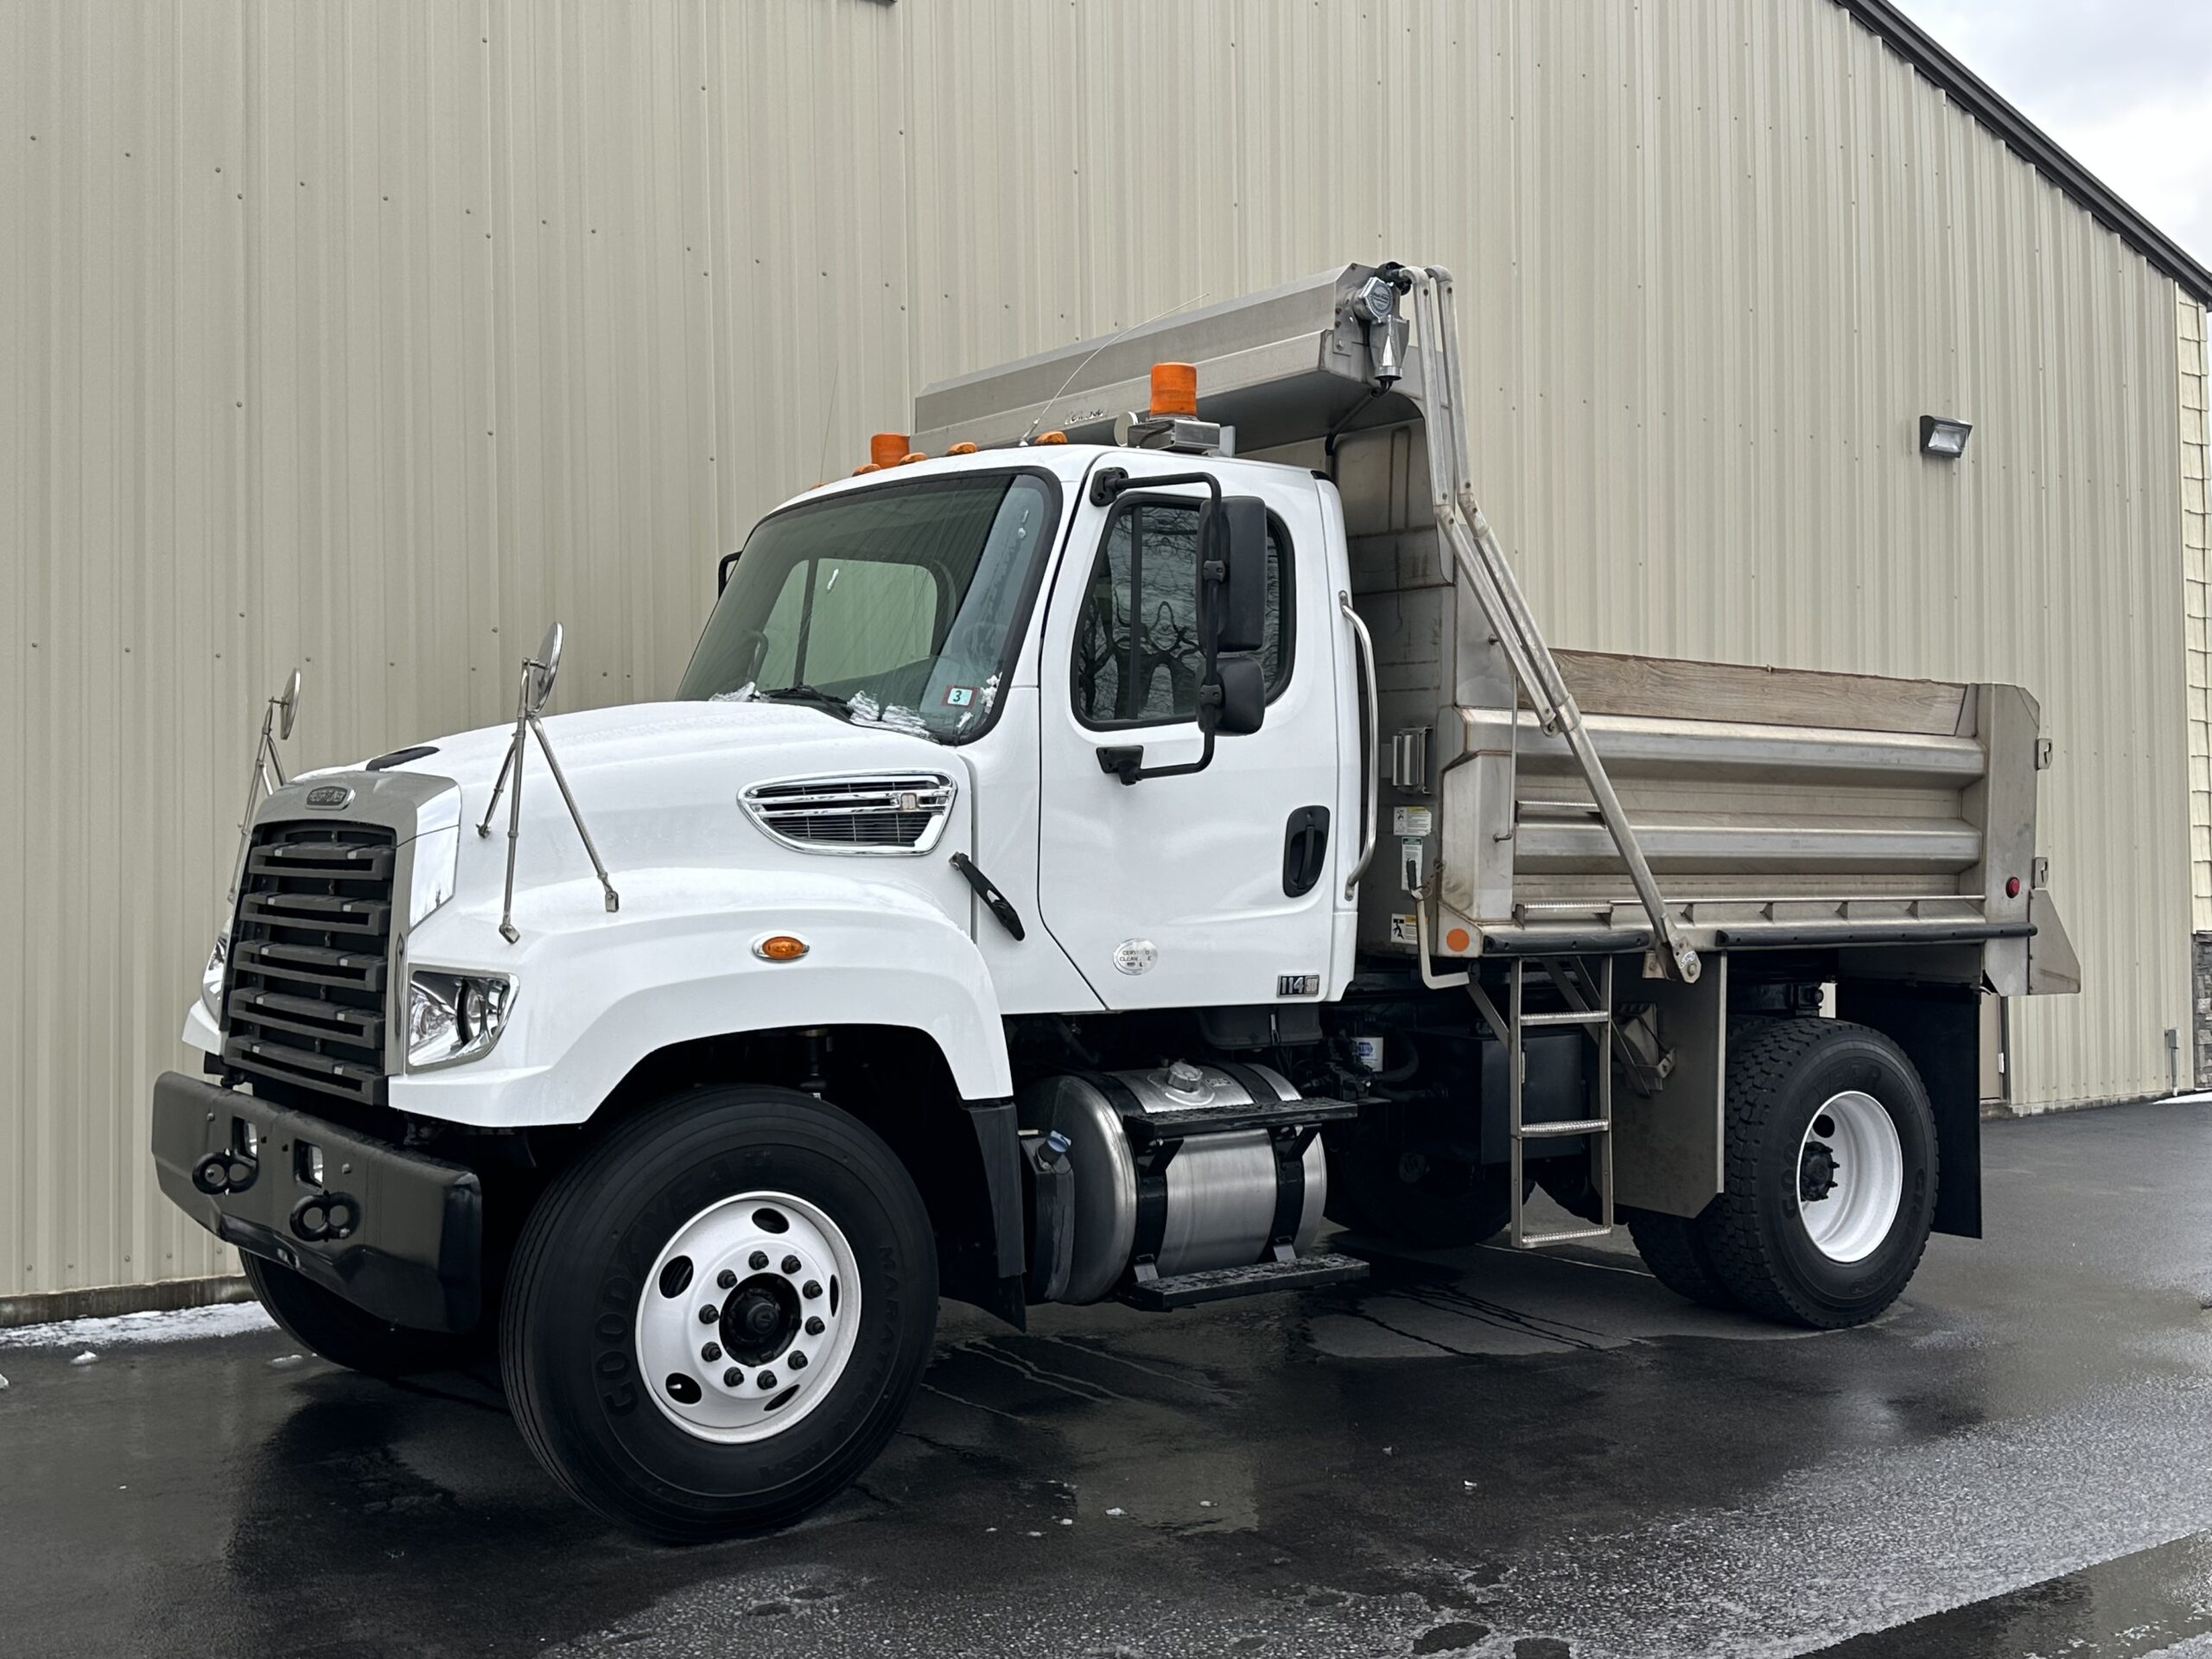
[
  {"x": 346, "y": 1335},
  {"x": 1822, "y": 1104},
  {"x": 798, "y": 1229},
  {"x": 1672, "y": 1248}
]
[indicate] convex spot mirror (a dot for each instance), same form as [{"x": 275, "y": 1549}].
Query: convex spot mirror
[
  {"x": 1239, "y": 526},
  {"x": 544, "y": 668},
  {"x": 288, "y": 705},
  {"x": 1243, "y": 695}
]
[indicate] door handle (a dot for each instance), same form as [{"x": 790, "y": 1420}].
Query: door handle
[{"x": 1304, "y": 849}]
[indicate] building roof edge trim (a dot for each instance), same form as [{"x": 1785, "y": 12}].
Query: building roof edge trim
[{"x": 2033, "y": 145}]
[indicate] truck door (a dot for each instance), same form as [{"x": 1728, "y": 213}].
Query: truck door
[{"x": 1218, "y": 886}]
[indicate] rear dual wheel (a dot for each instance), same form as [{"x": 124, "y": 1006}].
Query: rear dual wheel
[
  {"x": 1831, "y": 1179},
  {"x": 717, "y": 1316}
]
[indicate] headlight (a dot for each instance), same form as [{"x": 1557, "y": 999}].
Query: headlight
[
  {"x": 211, "y": 977},
  {"x": 454, "y": 1017}
]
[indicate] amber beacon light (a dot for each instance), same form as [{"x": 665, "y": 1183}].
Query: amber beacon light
[{"x": 1174, "y": 389}]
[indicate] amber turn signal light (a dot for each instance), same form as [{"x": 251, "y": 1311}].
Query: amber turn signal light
[{"x": 780, "y": 947}]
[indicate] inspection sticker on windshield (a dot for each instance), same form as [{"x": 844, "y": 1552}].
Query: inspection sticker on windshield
[{"x": 959, "y": 697}]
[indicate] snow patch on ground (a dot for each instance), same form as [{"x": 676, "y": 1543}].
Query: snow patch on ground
[{"x": 179, "y": 1324}]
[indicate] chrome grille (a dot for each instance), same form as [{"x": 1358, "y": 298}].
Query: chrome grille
[
  {"x": 306, "y": 999},
  {"x": 875, "y": 812}
]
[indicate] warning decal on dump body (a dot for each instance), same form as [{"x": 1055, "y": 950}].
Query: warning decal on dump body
[{"x": 1402, "y": 931}]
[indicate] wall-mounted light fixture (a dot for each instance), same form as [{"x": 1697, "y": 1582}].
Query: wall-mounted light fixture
[{"x": 1942, "y": 438}]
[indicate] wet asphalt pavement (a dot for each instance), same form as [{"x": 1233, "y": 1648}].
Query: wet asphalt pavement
[{"x": 1476, "y": 1453}]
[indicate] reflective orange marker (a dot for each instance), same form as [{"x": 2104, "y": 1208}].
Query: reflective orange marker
[
  {"x": 887, "y": 448},
  {"x": 1457, "y": 940},
  {"x": 1174, "y": 389}
]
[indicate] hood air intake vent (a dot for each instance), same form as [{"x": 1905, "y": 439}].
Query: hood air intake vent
[{"x": 858, "y": 812}]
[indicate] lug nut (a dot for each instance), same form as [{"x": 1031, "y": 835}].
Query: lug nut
[
  {"x": 710, "y": 1313},
  {"x": 731, "y": 1377},
  {"x": 813, "y": 1327},
  {"x": 791, "y": 1264},
  {"x": 810, "y": 1290},
  {"x": 768, "y": 1379},
  {"x": 798, "y": 1362},
  {"x": 711, "y": 1352},
  {"x": 759, "y": 1261},
  {"x": 725, "y": 1278}
]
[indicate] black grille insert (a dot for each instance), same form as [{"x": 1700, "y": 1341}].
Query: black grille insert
[{"x": 306, "y": 999}]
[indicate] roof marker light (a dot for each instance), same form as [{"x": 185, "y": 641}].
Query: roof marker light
[
  {"x": 961, "y": 449},
  {"x": 911, "y": 457},
  {"x": 1051, "y": 438},
  {"x": 867, "y": 466}
]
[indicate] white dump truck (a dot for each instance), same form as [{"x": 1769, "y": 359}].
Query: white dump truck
[{"x": 1135, "y": 819}]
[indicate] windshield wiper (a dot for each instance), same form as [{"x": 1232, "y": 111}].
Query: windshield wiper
[{"x": 804, "y": 693}]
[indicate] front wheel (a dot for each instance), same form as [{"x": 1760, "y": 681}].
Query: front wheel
[{"x": 718, "y": 1315}]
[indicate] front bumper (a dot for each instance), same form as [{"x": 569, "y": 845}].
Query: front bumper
[{"x": 396, "y": 1234}]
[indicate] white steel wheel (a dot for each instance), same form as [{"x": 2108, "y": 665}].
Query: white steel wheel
[
  {"x": 748, "y": 1317},
  {"x": 1850, "y": 1176}
]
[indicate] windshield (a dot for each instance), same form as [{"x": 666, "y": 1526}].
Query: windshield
[{"x": 893, "y": 606}]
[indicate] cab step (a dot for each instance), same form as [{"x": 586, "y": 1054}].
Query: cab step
[
  {"x": 1258, "y": 1278},
  {"x": 1181, "y": 1124}
]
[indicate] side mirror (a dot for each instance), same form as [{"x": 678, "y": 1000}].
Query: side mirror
[
  {"x": 1239, "y": 524},
  {"x": 1243, "y": 695}
]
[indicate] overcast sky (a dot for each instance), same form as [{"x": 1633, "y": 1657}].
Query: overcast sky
[{"x": 2124, "y": 85}]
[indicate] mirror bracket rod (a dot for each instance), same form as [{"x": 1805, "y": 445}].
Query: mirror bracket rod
[{"x": 534, "y": 674}]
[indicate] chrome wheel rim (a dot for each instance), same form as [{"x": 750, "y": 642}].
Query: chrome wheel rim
[
  {"x": 1850, "y": 1177},
  {"x": 748, "y": 1317}
]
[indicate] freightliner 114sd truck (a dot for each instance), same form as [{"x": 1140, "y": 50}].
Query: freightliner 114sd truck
[{"x": 1132, "y": 819}]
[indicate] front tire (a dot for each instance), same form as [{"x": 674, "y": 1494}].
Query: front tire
[
  {"x": 718, "y": 1315},
  {"x": 1831, "y": 1174}
]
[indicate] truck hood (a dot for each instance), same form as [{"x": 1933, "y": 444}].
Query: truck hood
[{"x": 659, "y": 786}]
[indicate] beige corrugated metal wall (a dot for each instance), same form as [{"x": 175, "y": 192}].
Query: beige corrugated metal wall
[
  {"x": 2196, "y": 351},
  {"x": 373, "y": 336}
]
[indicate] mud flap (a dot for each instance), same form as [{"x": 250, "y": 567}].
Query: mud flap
[{"x": 1939, "y": 1028}]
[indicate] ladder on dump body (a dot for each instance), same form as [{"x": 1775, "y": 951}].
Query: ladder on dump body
[
  {"x": 1592, "y": 1008},
  {"x": 1481, "y": 562}
]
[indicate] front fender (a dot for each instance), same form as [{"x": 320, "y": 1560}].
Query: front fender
[{"x": 598, "y": 993}]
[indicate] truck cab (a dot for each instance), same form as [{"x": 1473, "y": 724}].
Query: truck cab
[{"x": 1130, "y": 824}]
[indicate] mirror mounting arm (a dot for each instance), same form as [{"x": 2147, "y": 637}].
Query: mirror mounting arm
[
  {"x": 538, "y": 675},
  {"x": 1126, "y": 761}
]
